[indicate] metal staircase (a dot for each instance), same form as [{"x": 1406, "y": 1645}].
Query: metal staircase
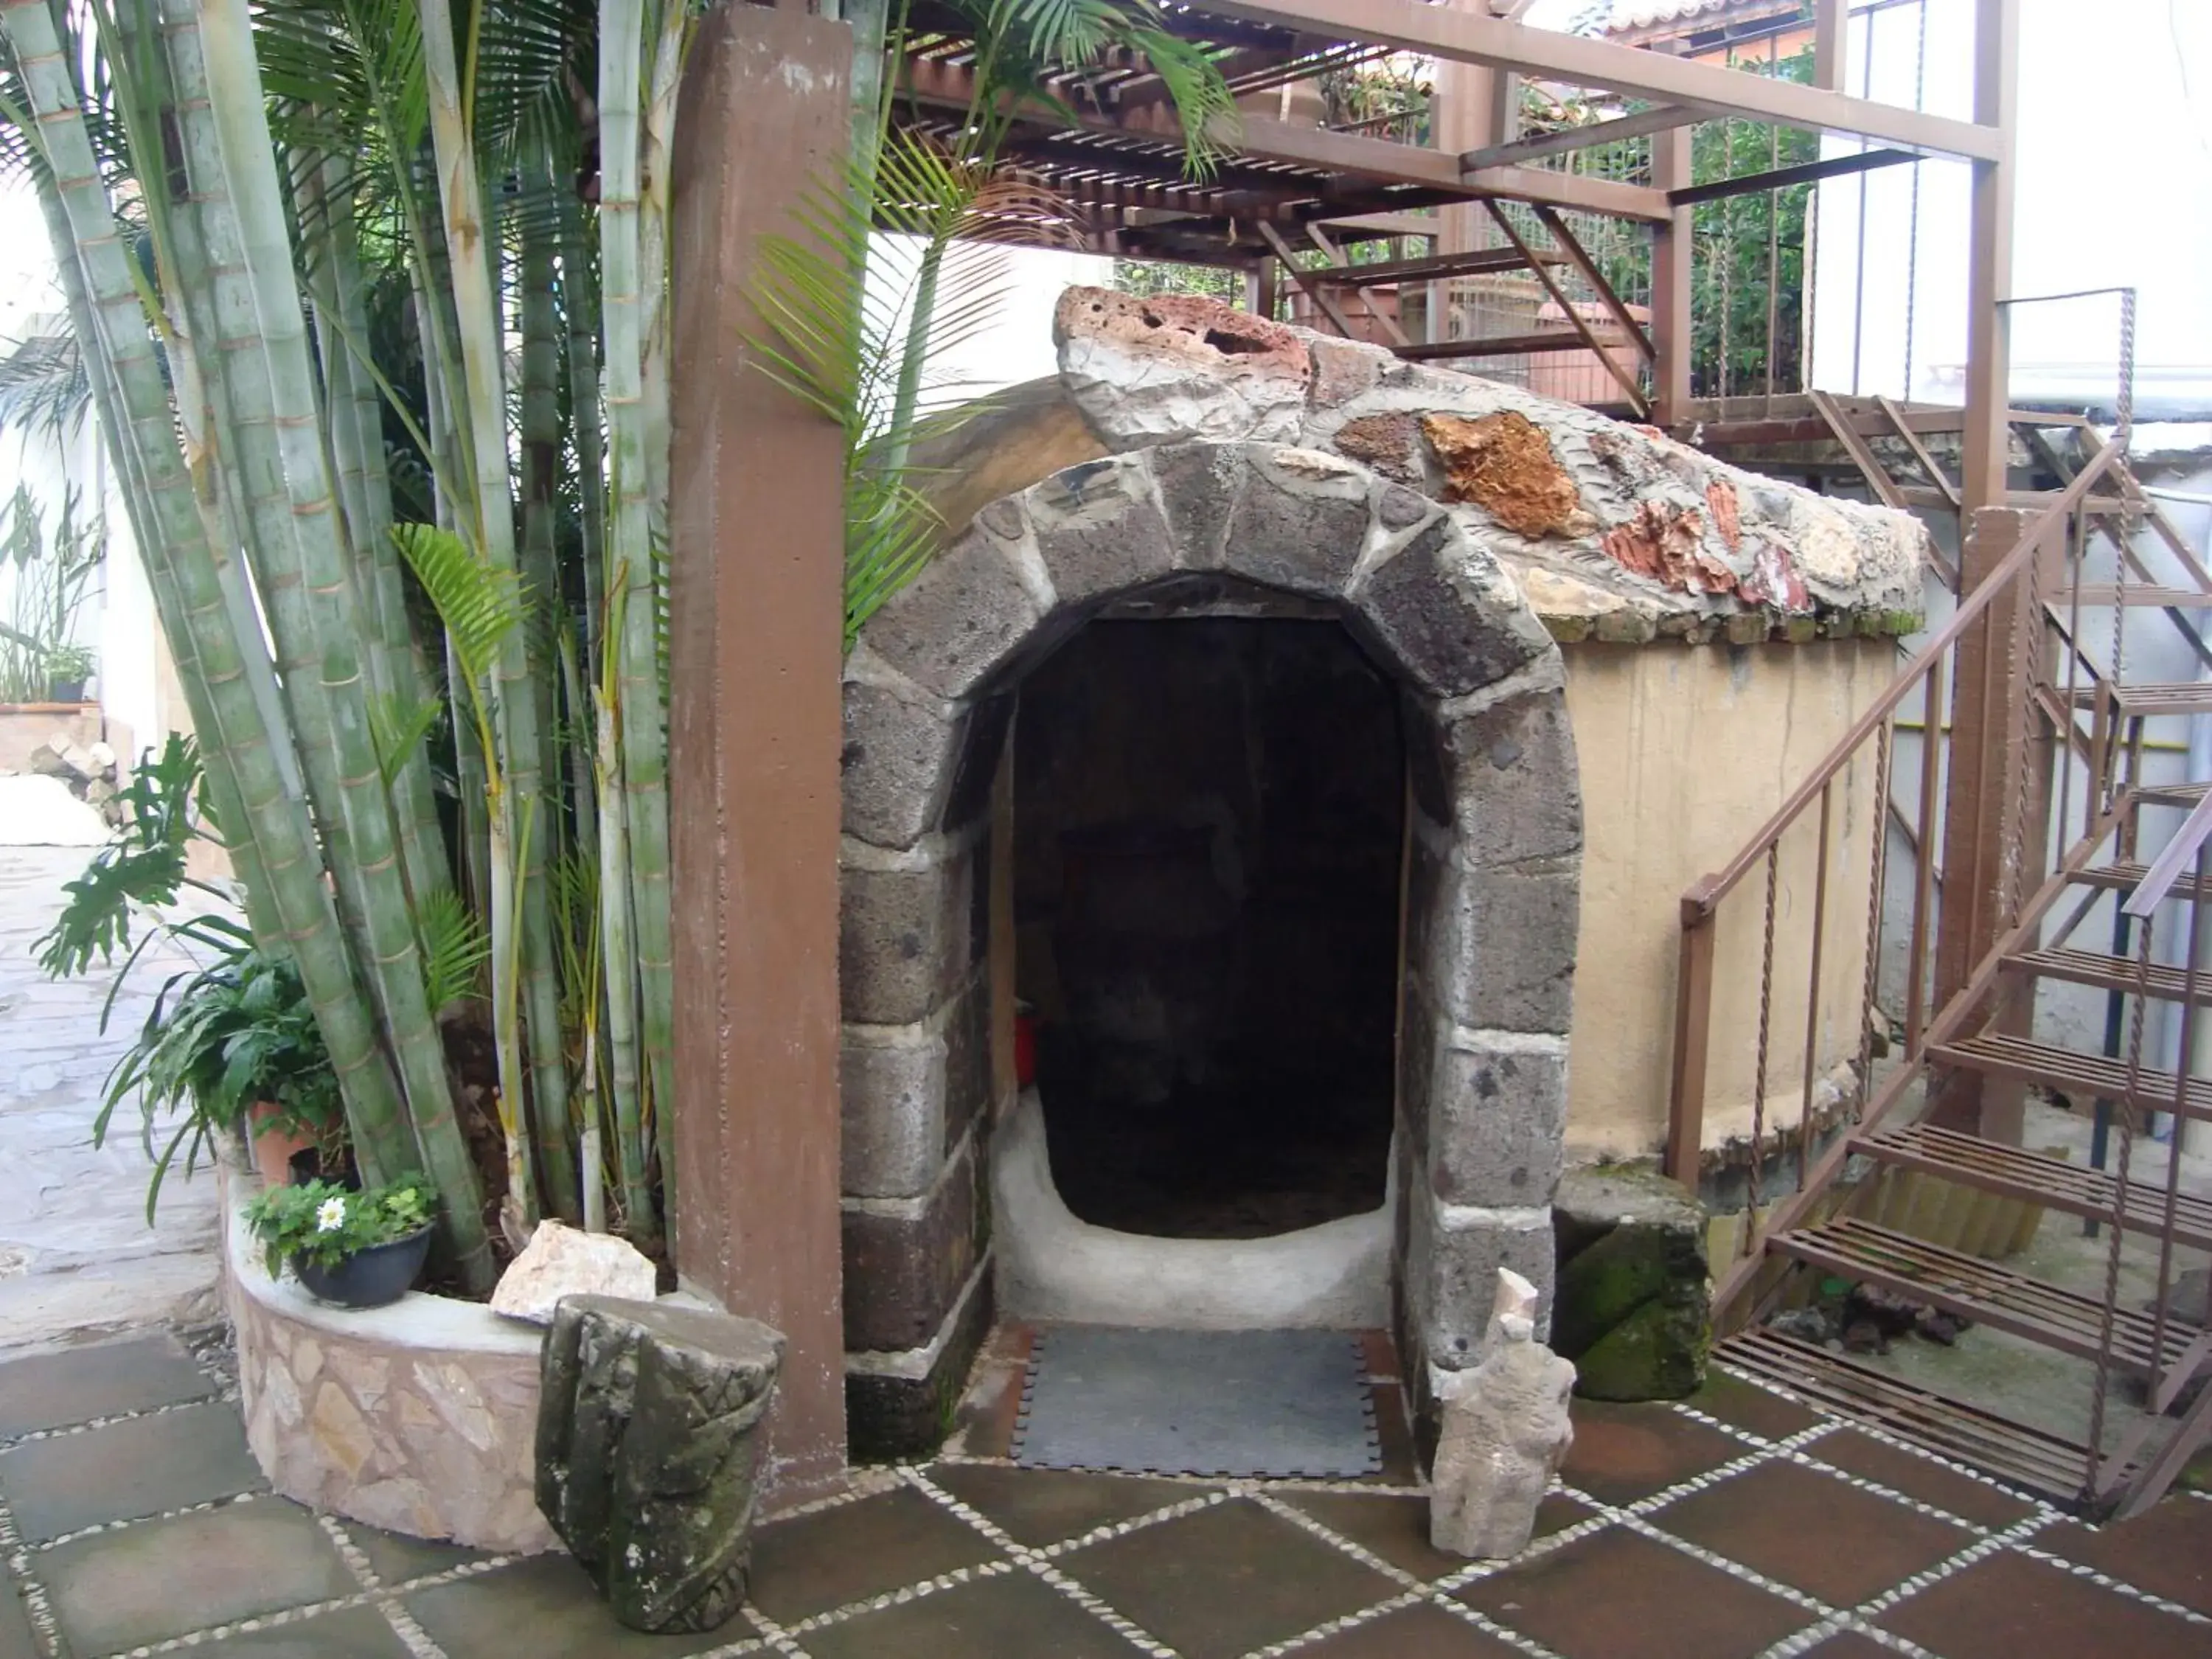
[{"x": 2033, "y": 700}]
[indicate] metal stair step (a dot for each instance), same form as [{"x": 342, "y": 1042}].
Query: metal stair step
[
  {"x": 2108, "y": 594},
  {"x": 2127, "y": 874},
  {"x": 2070, "y": 1071},
  {"x": 2149, "y": 697},
  {"x": 2052, "y": 1181},
  {"x": 1986, "y": 1292},
  {"x": 2109, "y": 973},
  {"x": 2018, "y": 1454},
  {"x": 2169, "y": 794}
]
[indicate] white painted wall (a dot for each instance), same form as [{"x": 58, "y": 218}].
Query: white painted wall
[{"x": 2115, "y": 149}]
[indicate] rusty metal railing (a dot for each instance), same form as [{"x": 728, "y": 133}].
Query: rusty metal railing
[{"x": 1812, "y": 821}]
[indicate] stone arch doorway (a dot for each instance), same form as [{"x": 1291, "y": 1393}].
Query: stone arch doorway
[{"x": 1492, "y": 843}]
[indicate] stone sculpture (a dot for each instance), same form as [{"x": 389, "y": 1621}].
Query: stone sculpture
[
  {"x": 1505, "y": 1429},
  {"x": 647, "y": 1452}
]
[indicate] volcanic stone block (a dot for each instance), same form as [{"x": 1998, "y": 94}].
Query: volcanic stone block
[
  {"x": 1495, "y": 948},
  {"x": 1499, "y": 1107},
  {"x": 1634, "y": 1310},
  {"x": 1198, "y": 485},
  {"x": 1505, "y": 777},
  {"x": 647, "y": 1453},
  {"x": 904, "y": 1265},
  {"x": 891, "y": 1084},
  {"x": 1452, "y": 1252},
  {"x": 907, "y": 934},
  {"x": 905, "y": 1410},
  {"x": 1098, "y": 528},
  {"x": 899, "y": 762},
  {"x": 1301, "y": 523},
  {"x": 1435, "y": 608},
  {"x": 959, "y": 620}
]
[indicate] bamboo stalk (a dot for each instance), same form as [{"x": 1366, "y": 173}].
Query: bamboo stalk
[
  {"x": 239, "y": 118},
  {"x": 616, "y": 949},
  {"x": 521, "y": 916},
  {"x": 541, "y": 467},
  {"x": 178, "y": 552},
  {"x": 644, "y": 749},
  {"x": 579, "y": 286}
]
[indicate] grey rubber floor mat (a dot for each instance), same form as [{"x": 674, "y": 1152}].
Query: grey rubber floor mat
[{"x": 1198, "y": 1402}]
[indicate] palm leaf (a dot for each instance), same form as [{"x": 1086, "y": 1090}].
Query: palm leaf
[
  {"x": 479, "y": 604},
  {"x": 454, "y": 947}
]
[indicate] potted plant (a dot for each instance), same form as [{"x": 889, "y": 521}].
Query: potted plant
[
  {"x": 233, "y": 1047},
  {"x": 358, "y": 1249},
  {"x": 68, "y": 667}
]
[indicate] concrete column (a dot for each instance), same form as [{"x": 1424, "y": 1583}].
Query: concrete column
[{"x": 755, "y": 604}]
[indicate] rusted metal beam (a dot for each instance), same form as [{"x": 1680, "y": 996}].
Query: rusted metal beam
[
  {"x": 1672, "y": 338},
  {"x": 1863, "y": 456},
  {"x": 1335, "y": 255},
  {"x": 1578, "y": 256},
  {"x": 1989, "y": 255},
  {"x": 1314, "y": 289},
  {"x": 1806, "y": 172},
  {"x": 1903, "y": 427},
  {"x": 1662, "y": 118},
  {"x": 1581, "y": 324},
  {"x": 1471, "y": 37},
  {"x": 1434, "y": 267},
  {"x": 1498, "y": 345},
  {"x": 1830, "y": 43}
]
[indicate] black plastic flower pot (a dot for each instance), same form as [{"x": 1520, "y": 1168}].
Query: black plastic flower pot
[{"x": 369, "y": 1277}]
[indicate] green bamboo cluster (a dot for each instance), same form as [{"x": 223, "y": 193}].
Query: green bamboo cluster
[{"x": 372, "y": 300}]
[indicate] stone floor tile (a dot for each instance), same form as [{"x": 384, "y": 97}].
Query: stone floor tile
[
  {"x": 2168, "y": 1551},
  {"x": 2006, "y": 1606},
  {"x": 542, "y": 1608},
  {"x": 1746, "y": 1406},
  {"x": 1421, "y": 1631},
  {"x": 128, "y": 1471},
  {"x": 16, "y": 1641},
  {"x": 1045, "y": 1506},
  {"x": 1011, "y": 1614},
  {"x": 1930, "y": 1482},
  {"x": 1624, "y": 1453},
  {"x": 854, "y": 1550},
  {"x": 395, "y": 1557},
  {"x": 1226, "y": 1580},
  {"x": 1395, "y": 1525},
  {"x": 164, "y": 1578},
  {"x": 1618, "y": 1595},
  {"x": 348, "y": 1633},
  {"x": 1814, "y": 1532},
  {"x": 76, "y": 1385}
]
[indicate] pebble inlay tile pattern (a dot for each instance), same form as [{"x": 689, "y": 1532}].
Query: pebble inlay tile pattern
[{"x": 1734, "y": 1526}]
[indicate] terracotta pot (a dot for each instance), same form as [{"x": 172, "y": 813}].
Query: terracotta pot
[{"x": 274, "y": 1147}]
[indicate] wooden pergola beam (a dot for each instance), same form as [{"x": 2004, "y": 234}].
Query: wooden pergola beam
[
  {"x": 1640, "y": 125},
  {"x": 1470, "y": 37}
]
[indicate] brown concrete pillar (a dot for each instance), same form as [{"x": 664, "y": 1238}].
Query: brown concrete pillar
[{"x": 756, "y": 607}]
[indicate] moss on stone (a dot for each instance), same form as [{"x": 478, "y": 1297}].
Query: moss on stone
[
  {"x": 1658, "y": 1353},
  {"x": 1568, "y": 630}
]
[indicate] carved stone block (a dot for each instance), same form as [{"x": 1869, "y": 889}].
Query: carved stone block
[
  {"x": 1505, "y": 1430},
  {"x": 647, "y": 1450}
]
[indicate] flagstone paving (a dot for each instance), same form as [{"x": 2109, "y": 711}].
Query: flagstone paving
[{"x": 1734, "y": 1525}]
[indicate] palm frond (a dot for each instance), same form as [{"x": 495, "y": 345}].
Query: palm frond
[
  {"x": 43, "y": 384},
  {"x": 454, "y": 947},
  {"x": 480, "y": 606}
]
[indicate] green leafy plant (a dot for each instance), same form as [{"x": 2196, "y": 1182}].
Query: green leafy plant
[
  {"x": 216, "y": 1043},
  {"x": 324, "y": 1223},
  {"x": 68, "y": 662}
]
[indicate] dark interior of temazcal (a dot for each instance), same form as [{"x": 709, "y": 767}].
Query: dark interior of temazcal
[{"x": 1208, "y": 824}]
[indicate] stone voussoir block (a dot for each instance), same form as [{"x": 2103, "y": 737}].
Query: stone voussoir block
[
  {"x": 1301, "y": 521},
  {"x": 1099, "y": 529},
  {"x": 1199, "y": 486},
  {"x": 1495, "y": 948},
  {"x": 1498, "y": 1109},
  {"x": 1503, "y": 776},
  {"x": 957, "y": 624},
  {"x": 906, "y": 1262},
  {"x": 899, "y": 761},
  {"x": 1446, "y": 613},
  {"x": 908, "y": 931}
]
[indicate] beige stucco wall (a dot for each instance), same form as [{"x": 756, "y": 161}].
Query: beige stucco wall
[{"x": 1685, "y": 751}]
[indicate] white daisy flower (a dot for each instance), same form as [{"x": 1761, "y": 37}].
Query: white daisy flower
[{"x": 330, "y": 1215}]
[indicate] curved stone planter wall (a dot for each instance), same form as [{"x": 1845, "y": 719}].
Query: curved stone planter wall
[
  {"x": 1493, "y": 903},
  {"x": 421, "y": 1417}
]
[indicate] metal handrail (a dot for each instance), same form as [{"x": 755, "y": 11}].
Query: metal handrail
[
  {"x": 1701, "y": 900},
  {"x": 2180, "y": 855}
]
